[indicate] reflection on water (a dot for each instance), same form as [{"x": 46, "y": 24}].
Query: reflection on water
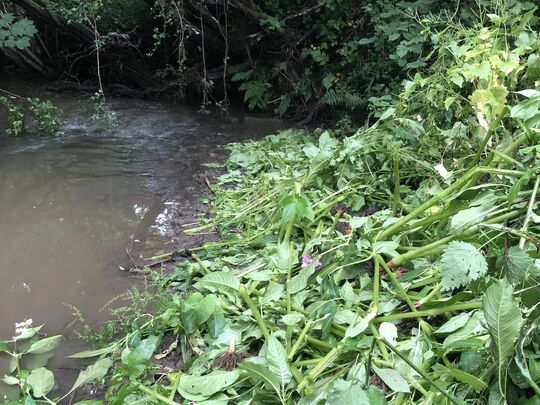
[{"x": 70, "y": 206}]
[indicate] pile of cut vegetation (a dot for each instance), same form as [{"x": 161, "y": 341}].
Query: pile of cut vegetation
[{"x": 396, "y": 264}]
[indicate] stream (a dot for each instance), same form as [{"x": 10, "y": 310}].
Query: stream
[{"x": 71, "y": 206}]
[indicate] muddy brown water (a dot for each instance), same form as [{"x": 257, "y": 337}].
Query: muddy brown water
[{"x": 71, "y": 206}]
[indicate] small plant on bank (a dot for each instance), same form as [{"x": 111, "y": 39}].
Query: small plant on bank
[{"x": 44, "y": 113}]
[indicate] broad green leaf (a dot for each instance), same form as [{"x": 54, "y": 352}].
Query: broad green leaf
[
  {"x": 355, "y": 394},
  {"x": 273, "y": 292},
  {"x": 470, "y": 361},
  {"x": 521, "y": 355},
  {"x": 387, "y": 248},
  {"x": 277, "y": 360},
  {"x": 45, "y": 345},
  {"x": 220, "y": 280},
  {"x": 299, "y": 282},
  {"x": 503, "y": 318},
  {"x": 282, "y": 257},
  {"x": 394, "y": 380},
  {"x": 469, "y": 217},
  {"x": 41, "y": 380},
  {"x": 387, "y": 114},
  {"x": 93, "y": 372},
  {"x": 477, "y": 70},
  {"x": 261, "y": 373},
  {"x": 208, "y": 384},
  {"x": 454, "y": 323},
  {"x": 461, "y": 263}
]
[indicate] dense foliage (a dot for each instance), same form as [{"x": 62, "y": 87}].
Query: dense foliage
[
  {"x": 295, "y": 58},
  {"x": 397, "y": 263}
]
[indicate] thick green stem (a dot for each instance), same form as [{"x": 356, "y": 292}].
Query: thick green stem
[
  {"x": 376, "y": 281},
  {"x": 397, "y": 196},
  {"x": 397, "y": 226},
  {"x": 251, "y": 305},
  {"x": 529, "y": 212},
  {"x": 424, "y": 375},
  {"x": 299, "y": 341},
  {"x": 488, "y": 135},
  {"x": 206, "y": 270},
  {"x": 464, "y": 306},
  {"x": 156, "y": 395}
]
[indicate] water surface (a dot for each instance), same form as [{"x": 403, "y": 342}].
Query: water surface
[{"x": 71, "y": 206}]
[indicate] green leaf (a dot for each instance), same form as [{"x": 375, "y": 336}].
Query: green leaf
[
  {"x": 466, "y": 378},
  {"x": 261, "y": 373},
  {"x": 45, "y": 345},
  {"x": 41, "y": 380},
  {"x": 208, "y": 384},
  {"x": 503, "y": 318},
  {"x": 394, "y": 380},
  {"x": 219, "y": 280},
  {"x": 277, "y": 360},
  {"x": 518, "y": 266},
  {"x": 358, "y": 327},
  {"x": 93, "y": 372},
  {"x": 388, "y": 248},
  {"x": 299, "y": 282},
  {"x": 461, "y": 263},
  {"x": 10, "y": 380},
  {"x": 454, "y": 323}
]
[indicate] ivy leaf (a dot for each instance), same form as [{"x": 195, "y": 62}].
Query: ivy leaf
[
  {"x": 503, "y": 318},
  {"x": 277, "y": 360},
  {"x": 461, "y": 263}
]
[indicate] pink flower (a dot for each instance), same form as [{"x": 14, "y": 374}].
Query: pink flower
[
  {"x": 418, "y": 304},
  {"x": 307, "y": 260}
]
